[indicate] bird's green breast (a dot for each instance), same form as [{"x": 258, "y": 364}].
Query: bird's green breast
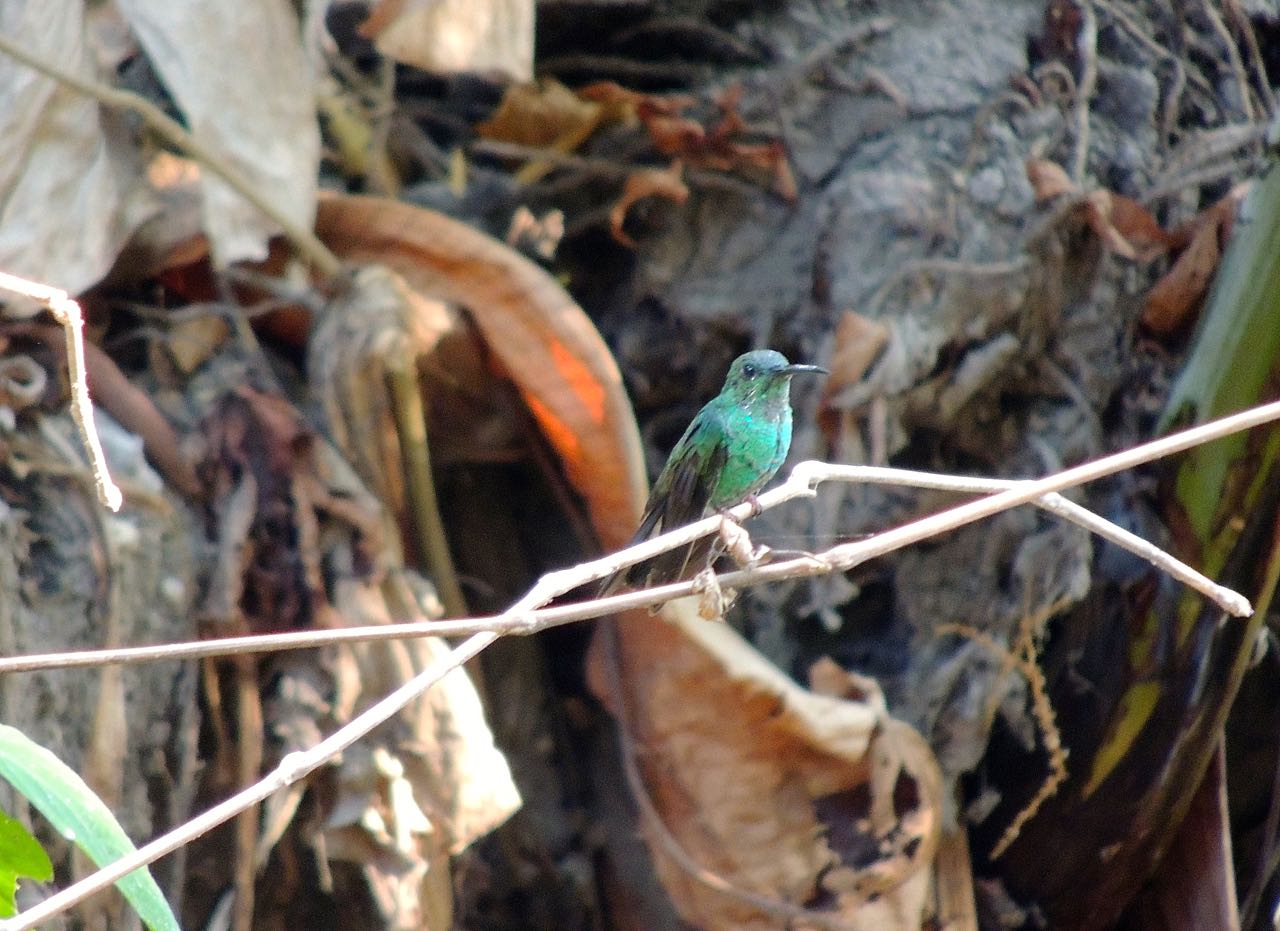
[{"x": 756, "y": 438}]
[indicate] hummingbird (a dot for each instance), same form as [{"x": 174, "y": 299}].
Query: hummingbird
[{"x": 731, "y": 449}]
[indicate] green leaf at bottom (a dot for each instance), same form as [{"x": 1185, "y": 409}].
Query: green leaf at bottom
[{"x": 81, "y": 817}]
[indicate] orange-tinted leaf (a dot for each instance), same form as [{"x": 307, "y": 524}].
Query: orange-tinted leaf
[
  {"x": 1222, "y": 213},
  {"x": 622, "y": 103},
  {"x": 1126, "y": 227},
  {"x": 1138, "y": 227},
  {"x": 719, "y": 147},
  {"x": 1173, "y": 299},
  {"x": 675, "y": 135},
  {"x": 641, "y": 184},
  {"x": 541, "y": 338}
]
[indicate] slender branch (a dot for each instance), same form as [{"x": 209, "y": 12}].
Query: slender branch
[
  {"x": 173, "y": 132},
  {"x": 1054, "y": 503},
  {"x": 67, "y": 313},
  {"x": 800, "y": 484}
]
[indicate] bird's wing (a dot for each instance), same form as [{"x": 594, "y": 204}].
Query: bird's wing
[
  {"x": 681, "y": 492},
  {"x": 679, "y": 496}
]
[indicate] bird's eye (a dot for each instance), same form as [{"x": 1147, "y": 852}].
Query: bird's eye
[{"x": 749, "y": 370}]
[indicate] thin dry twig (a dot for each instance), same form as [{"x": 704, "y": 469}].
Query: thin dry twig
[
  {"x": 1054, "y": 503},
  {"x": 1173, "y": 94},
  {"x": 67, "y": 313},
  {"x": 1234, "y": 59},
  {"x": 523, "y": 617},
  {"x": 1240, "y": 20},
  {"x": 939, "y": 267},
  {"x": 1088, "y": 45},
  {"x": 173, "y": 132},
  {"x": 1022, "y": 656},
  {"x": 1207, "y": 158},
  {"x": 543, "y": 618}
]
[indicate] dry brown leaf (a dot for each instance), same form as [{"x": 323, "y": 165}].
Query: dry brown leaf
[
  {"x": 648, "y": 182},
  {"x": 1138, "y": 227},
  {"x": 624, "y": 104},
  {"x": 266, "y": 575},
  {"x": 445, "y": 761},
  {"x": 441, "y": 760},
  {"x": 542, "y": 340},
  {"x": 192, "y": 341},
  {"x": 767, "y": 784},
  {"x": 858, "y": 343},
  {"x": 1175, "y": 298},
  {"x": 374, "y": 326},
  {"x": 1221, "y": 213},
  {"x": 1126, "y": 227},
  {"x": 719, "y": 147},
  {"x": 1060, "y": 38},
  {"x": 907, "y": 839},
  {"x": 676, "y": 135},
  {"x": 1048, "y": 179},
  {"x": 543, "y": 115}
]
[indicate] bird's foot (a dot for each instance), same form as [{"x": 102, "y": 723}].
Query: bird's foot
[
  {"x": 756, "y": 510},
  {"x": 713, "y": 600},
  {"x": 737, "y": 543}
]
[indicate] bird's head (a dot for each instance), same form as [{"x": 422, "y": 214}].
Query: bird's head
[{"x": 763, "y": 373}]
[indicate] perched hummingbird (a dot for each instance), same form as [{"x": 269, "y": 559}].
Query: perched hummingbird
[{"x": 733, "y": 446}]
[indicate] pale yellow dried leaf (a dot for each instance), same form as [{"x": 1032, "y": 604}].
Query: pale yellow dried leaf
[
  {"x": 71, "y": 184},
  {"x": 244, "y": 84},
  {"x": 457, "y": 35}
]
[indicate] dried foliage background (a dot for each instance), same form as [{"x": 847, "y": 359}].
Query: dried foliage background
[{"x": 995, "y": 221}]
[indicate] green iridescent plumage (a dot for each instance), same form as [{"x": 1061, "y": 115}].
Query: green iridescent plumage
[{"x": 733, "y": 446}]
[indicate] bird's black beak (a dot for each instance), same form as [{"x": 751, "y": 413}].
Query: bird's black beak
[{"x": 796, "y": 368}]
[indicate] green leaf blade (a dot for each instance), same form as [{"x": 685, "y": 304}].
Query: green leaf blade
[{"x": 77, "y": 813}]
